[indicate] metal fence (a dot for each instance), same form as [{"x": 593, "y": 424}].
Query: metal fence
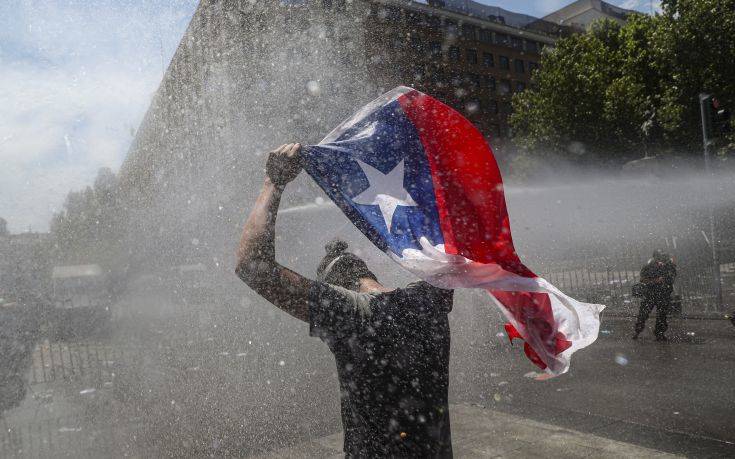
[
  {"x": 61, "y": 437},
  {"x": 609, "y": 281},
  {"x": 52, "y": 361}
]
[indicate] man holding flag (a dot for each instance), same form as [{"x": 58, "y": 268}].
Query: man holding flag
[
  {"x": 421, "y": 183},
  {"x": 391, "y": 346}
]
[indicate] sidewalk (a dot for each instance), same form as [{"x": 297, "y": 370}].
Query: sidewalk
[{"x": 480, "y": 432}]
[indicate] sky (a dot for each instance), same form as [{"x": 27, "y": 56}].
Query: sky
[{"x": 76, "y": 77}]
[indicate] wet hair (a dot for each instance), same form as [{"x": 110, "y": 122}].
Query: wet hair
[
  {"x": 660, "y": 255},
  {"x": 342, "y": 268}
]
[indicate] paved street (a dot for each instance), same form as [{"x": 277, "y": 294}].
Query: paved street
[
  {"x": 684, "y": 386},
  {"x": 481, "y": 432},
  {"x": 622, "y": 398}
]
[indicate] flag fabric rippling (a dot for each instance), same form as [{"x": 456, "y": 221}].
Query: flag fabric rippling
[{"x": 421, "y": 182}]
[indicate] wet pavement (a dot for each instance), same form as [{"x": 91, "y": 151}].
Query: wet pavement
[
  {"x": 677, "y": 396},
  {"x": 621, "y": 398},
  {"x": 479, "y": 432}
]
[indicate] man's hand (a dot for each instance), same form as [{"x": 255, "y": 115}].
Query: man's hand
[
  {"x": 284, "y": 164},
  {"x": 256, "y": 255}
]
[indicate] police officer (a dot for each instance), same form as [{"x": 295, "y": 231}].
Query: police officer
[{"x": 657, "y": 277}]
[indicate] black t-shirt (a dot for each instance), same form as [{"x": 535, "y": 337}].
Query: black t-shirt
[{"x": 392, "y": 355}]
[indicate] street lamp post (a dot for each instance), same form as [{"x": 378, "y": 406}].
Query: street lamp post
[{"x": 705, "y": 105}]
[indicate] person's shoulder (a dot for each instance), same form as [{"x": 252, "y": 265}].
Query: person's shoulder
[
  {"x": 323, "y": 289},
  {"x": 334, "y": 295},
  {"x": 425, "y": 289}
]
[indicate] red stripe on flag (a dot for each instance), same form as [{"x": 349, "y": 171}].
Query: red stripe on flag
[
  {"x": 532, "y": 311},
  {"x": 467, "y": 183}
]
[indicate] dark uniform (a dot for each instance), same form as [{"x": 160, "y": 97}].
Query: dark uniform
[{"x": 657, "y": 276}]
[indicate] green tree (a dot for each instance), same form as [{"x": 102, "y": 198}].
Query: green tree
[
  {"x": 90, "y": 228},
  {"x": 616, "y": 93},
  {"x": 698, "y": 37}
]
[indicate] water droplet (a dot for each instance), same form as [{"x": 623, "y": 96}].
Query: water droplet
[{"x": 313, "y": 88}]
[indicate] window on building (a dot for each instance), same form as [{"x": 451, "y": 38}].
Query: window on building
[
  {"x": 471, "y": 56},
  {"x": 456, "y": 80},
  {"x": 436, "y": 49},
  {"x": 520, "y": 86},
  {"x": 490, "y": 83},
  {"x": 486, "y": 36},
  {"x": 492, "y": 107},
  {"x": 469, "y": 31},
  {"x": 450, "y": 27},
  {"x": 520, "y": 66},
  {"x": 488, "y": 60},
  {"x": 394, "y": 14},
  {"x": 502, "y": 39},
  {"x": 516, "y": 42},
  {"x": 531, "y": 46},
  {"x": 504, "y": 87},
  {"x": 504, "y": 63},
  {"x": 390, "y": 13},
  {"x": 474, "y": 80},
  {"x": 472, "y": 106},
  {"x": 415, "y": 19},
  {"x": 437, "y": 77},
  {"x": 418, "y": 73},
  {"x": 454, "y": 53}
]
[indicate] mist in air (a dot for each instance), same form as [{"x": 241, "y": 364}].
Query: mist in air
[{"x": 192, "y": 362}]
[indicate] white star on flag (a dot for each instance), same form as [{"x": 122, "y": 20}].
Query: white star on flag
[{"x": 384, "y": 190}]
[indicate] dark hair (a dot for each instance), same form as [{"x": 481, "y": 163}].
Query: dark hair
[{"x": 342, "y": 268}]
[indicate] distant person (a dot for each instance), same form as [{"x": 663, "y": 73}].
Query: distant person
[
  {"x": 657, "y": 277},
  {"x": 391, "y": 346}
]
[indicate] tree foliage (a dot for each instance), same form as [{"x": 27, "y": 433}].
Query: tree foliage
[
  {"x": 617, "y": 92},
  {"x": 90, "y": 228}
]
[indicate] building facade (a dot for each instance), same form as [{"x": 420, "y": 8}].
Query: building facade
[
  {"x": 581, "y": 14},
  {"x": 472, "y": 62},
  {"x": 250, "y": 75}
]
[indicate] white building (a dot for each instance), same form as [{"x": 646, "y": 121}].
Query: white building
[{"x": 582, "y": 13}]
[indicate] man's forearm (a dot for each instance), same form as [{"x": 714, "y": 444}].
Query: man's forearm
[
  {"x": 257, "y": 244},
  {"x": 256, "y": 254}
]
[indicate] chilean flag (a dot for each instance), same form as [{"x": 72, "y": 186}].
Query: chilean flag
[{"x": 420, "y": 181}]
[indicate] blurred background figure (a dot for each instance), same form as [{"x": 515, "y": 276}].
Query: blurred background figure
[{"x": 655, "y": 289}]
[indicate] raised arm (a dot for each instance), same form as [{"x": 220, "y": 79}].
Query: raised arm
[{"x": 256, "y": 255}]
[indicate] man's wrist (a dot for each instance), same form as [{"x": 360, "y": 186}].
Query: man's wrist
[{"x": 271, "y": 184}]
